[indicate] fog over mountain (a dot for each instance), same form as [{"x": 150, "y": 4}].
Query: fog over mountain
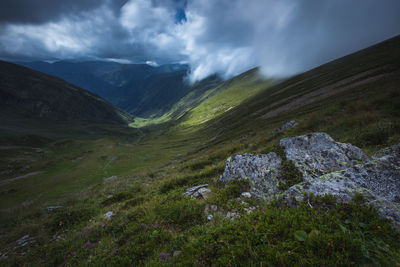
[{"x": 225, "y": 36}]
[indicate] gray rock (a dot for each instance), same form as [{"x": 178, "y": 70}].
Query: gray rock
[
  {"x": 246, "y": 194},
  {"x": 176, "y": 253},
  {"x": 232, "y": 215},
  {"x": 287, "y": 126},
  {"x": 262, "y": 172},
  {"x": 51, "y": 208},
  {"x": 24, "y": 241},
  {"x": 328, "y": 167},
  {"x": 249, "y": 209},
  {"x": 317, "y": 154},
  {"x": 77, "y": 159},
  {"x": 199, "y": 191},
  {"x": 108, "y": 215},
  {"x": 112, "y": 178},
  {"x": 210, "y": 208},
  {"x": 210, "y": 217},
  {"x": 378, "y": 180}
]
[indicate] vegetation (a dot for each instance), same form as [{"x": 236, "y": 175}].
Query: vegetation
[{"x": 153, "y": 223}]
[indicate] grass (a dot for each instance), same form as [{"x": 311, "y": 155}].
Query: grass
[{"x": 153, "y": 220}]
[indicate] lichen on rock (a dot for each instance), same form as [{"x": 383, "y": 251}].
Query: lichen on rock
[{"x": 328, "y": 167}]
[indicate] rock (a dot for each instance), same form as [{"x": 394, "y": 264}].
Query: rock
[
  {"x": 202, "y": 193},
  {"x": 378, "y": 180},
  {"x": 232, "y": 215},
  {"x": 108, "y": 215},
  {"x": 246, "y": 194},
  {"x": 328, "y": 167},
  {"x": 287, "y": 126},
  {"x": 176, "y": 253},
  {"x": 51, "y": 208},
  {"x": 24, "y": 241},
  {"x": 210, "y": 217},
  {"x": 3, "y": 256},
  {"x": 112, "y": 178},
  {"x": 210, "y": 208},
  {"x": 249, "y": 209},
  {"x": 317, "y": 154},
  {"x": 199, "y": 191},
  {"x": 77, "y": 159},
  {"x": 262, "y": 172}
]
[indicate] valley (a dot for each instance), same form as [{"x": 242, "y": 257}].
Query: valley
[{"x": 88, "y": 157}]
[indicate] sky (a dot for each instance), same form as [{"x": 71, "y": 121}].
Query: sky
[{"x": 227, "y": 37}]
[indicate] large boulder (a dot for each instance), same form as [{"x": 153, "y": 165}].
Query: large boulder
[
  {"x": 317, "y": 154},
  {"x": 262, "y": 172},
  {"x": 328, "y": 167}
]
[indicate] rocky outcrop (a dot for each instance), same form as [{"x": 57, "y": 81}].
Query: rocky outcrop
[{"x": 328, "y": 167}]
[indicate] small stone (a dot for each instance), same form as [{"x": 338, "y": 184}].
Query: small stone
[
  {"x": 210, "y": 217},
  {"x": 25, "y": 240},
  {"x": 51, "y": 208},
  {"x": 77, "y": 159},
  {"x": 232, "y": 215},
  {"x": 246, "y": 194},
  {"x": 210, "y": 208},
  {"x": 199, "y": 191},
  {"x": 176, "y": 253},
  {"x": 287, "y": 126},
  {"x": 108, "y": 214},
  {"x": 249, "y": 210},
  {"x": 203, "y": 192},
  {"x": 112, "y": 178}
]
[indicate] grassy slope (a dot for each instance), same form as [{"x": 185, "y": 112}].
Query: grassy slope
[
  {"x": 209, "y": 99},
  {"x": 153, "y": 217}
]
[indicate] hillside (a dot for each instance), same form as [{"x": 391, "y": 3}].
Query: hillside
[
  {"x": 171, "y": 195},
  {"x": 29, "y": 97},
  {"x": 140, "y": 89}
]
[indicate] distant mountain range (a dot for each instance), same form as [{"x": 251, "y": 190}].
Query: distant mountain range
[{"x": 140, "y": 89}]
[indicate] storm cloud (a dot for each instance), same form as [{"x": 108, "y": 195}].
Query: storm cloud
[{"x": 225, "y": 36}]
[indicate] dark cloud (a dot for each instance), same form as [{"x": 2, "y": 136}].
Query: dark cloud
[
  {"x": 39, "y": 11},
  {"x": 224, "y": 36}
]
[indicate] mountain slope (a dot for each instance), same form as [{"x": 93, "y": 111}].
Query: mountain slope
[
  {"x": 27, "y": 95},
  {"x": 368, "y": 79},
  {"x": 138, "y": 88}
]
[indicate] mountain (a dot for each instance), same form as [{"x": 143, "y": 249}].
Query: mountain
[
  {"x": 312, "y": 152},
  {"x": 30, "y": 96},
  {"x": 140, "y": 89}
]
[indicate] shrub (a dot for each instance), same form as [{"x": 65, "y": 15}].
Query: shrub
[{"x": 233, "y": 189}]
